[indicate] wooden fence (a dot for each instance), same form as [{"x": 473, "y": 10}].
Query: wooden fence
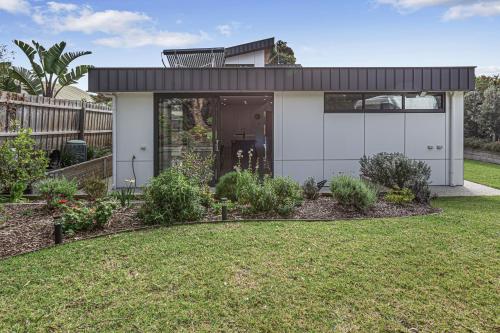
[{"x": 55, "y": 121}]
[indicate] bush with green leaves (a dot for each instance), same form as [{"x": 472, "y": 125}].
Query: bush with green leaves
[
  {"x": 21, "y": 161},
  {"x": 310, "y": 189},
  {"x": 227, "y": 185},
  {"x": 57, "y": 190},
  {"x": 95, "y": 188},
  {"x": 352, "y": 192},
  {"x": 80, "y": 217},
  {"x": 171, "y": 197},
  {"x": 246, "y": 186},
  {"x": 482, "y": 144},
  {"x": 400, "y": 196},
  {"x": 395, "y": 170}
]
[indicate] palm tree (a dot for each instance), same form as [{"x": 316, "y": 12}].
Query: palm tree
[{"x": 51, "y": 69}]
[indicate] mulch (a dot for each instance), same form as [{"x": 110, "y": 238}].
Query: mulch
[{"x": 30, "y": 226}]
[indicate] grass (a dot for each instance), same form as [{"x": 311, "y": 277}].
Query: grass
[
  {"x": 482, "y": 173},
  {"x": 435, "y": 273}
]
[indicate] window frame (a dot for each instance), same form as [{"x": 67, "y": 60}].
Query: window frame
[{"x": 402, "y": 110}]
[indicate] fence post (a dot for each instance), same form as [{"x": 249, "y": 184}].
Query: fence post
[{"x": 81, "y": 125}]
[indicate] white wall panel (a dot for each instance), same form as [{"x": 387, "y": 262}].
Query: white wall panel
[
  {"x": 302, "y": 126},
  {"x": 256, "y": 58},
  {"x": 424, "y": 131},
  {"x": 143, "y": 172},
  {"x": 384, "y": 132},
  {"x": 341, "y": 167},
  {"x": 301, "y": 170},
  {"x": 344, "y": 135},
  {"x": 134, "y": 136},
  {"x": 438, "y": 171},
  {"x": 278, "y": 126}
]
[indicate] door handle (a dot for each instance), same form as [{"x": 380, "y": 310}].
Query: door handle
[{"x": 217, "y": 146}]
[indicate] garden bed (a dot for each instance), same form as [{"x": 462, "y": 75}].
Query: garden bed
[{"x": 30, "y": 226}]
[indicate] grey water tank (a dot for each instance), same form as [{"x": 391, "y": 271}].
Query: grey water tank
[{"x": 77, "y": 151}]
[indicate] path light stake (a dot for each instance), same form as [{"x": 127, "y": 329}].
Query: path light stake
[
  {"x": 58, "y": 232},
  {"x": 224, "y": 208}
]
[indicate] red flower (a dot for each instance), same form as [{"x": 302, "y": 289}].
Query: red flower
[{"x": 63, "y": 201}]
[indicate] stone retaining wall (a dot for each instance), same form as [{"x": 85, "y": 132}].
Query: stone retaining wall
[{"x": 482, "y": 155}]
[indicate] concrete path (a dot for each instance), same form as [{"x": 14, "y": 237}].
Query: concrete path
[{"x": 469, "y": 189}]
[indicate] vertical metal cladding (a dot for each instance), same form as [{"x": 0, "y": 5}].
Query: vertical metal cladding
[{"x": 281, "y": 79}]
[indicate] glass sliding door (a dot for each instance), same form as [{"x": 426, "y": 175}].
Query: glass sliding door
[{"x": 185, "y": 124}]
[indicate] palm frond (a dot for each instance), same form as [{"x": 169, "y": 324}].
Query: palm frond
[
  {"x": 29, "y": 81},
  {"x": 73, "y": 76},
  {"x": 52, "y": 57},
  {"x": 66, "y": 58},
  {"x": 30, "y": 52}
]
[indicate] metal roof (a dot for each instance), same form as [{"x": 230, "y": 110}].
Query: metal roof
[
  {"x": 249, "y": 47},
  {"x": 268, "y": 79}
]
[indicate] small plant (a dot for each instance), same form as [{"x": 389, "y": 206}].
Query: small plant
[
  {"x": 95, "y": 188},
  {"x": 17, "y": 191},
  {"x": 353, "y": 193},
  {"x": 227, "y": 185},
  {"x": 288, "y": 194},
  {"x": 171, "y": 197},
  {"x": 400, "y": 197},
  {"x": 310, "y": 189},
  {"x": 125, "y": 194},
  {"x": 20, "y": 161},
  {"x": 103, "y": 211},
  {"x": 421, "y": 191},
  {"x": 246, "y": 185},
  {"x": 57, "y": 190}
]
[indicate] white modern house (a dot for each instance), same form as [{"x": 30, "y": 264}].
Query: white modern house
[{"x": 300, "y": 121}]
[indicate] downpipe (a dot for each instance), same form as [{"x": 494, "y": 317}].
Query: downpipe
[{"x": 451, "y": 174}]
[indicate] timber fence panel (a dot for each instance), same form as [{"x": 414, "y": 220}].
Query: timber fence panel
[{"x": 55, "y": 121}]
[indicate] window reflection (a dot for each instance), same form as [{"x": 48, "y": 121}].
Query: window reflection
[
  {"x": 184, "y": 124},
  {"x": 383, "y": 102},
  {"x": 427, "y": 102},
  {"x": 343, "y": 102}
]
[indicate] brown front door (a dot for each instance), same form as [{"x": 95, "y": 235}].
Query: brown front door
[{"x": 244, "y": 124}]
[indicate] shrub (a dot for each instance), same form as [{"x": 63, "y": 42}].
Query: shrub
[
  {"x": 280, "y": 194},
  {"x": 95, "y": 188},
  {"x": 78, "y": 217},
  {"x": 310, "y": 189},
  {"x": 55, "y": 190},
  {"x": 353, "y": 193},
  {"x": 171, "y": 197},
  {"x": 482, "y": 144},
  {"x": 196, "y": 167},
  {"x": 398, "y": 171},
  {"x": 17, "y": 191},
  {"x": 20, "y": 161},
  {"x": 226, "y": 186},
  {"x": 126, "y": 194},
  {"x": 400, "y": 197}
]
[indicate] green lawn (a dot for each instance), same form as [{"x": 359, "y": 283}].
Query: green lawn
[
  {"x": 482, "y": 173},
  {"x": 436, "y": 273}
]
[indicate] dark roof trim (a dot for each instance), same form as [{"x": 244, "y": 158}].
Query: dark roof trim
[
  {"x": 268, "y": 79},
  {"x": 193, "y": 51},
  {"x": 249, "y": 47}
]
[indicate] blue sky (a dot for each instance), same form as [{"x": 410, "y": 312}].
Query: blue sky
[{"x": 322, "y": 33}]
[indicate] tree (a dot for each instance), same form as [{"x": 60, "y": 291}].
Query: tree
[
  {"x": 282, "y": 54},
  {"x": 485, "y": 81},
  {"x": 472, "y": 114},
  {"x": 51, "y": 68},
  {"x": 6, "y": 82},
  {"x": 102, "y": 99},
  {"x": 490, "y": 112}
]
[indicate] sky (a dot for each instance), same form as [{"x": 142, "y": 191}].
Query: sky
[{"x": 322, "y": 33}]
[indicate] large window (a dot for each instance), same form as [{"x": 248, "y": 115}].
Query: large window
[
  {"x": 184, "y": 124},
  {"x": 383, "y": 102}
]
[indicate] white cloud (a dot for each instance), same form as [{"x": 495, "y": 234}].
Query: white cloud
[
  {"x": 15, "y": 6},
  {"x": 455, "y": 9},
  {"x": 488, "y": 70},
  {"x": 138, "y": 38},
  {"x": 61, "y": 7},
  {"x": 489, "y": 8},
  {"x": 118, "y": 28},
  {"x": 224, "y": 29}
]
